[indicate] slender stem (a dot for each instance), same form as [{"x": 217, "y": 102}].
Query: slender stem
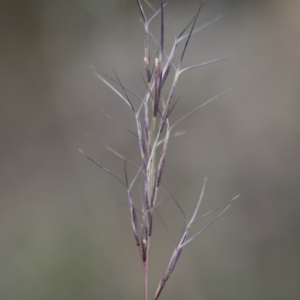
[
  {"x": 151, "y": 183},
  {"x": 153, "y": 161},
  {"x": 146, "y": 271}
]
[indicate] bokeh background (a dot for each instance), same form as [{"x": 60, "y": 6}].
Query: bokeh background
[{"x": 64, "y": 225}]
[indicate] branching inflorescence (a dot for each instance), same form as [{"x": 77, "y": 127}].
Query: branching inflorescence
[{"x": 153, "y": 134}]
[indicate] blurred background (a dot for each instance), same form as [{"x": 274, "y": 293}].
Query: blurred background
[{"x": 64, "y": 225}]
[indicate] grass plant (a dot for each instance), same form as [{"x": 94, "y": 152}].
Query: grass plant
[{"x": 153, "y": 132}]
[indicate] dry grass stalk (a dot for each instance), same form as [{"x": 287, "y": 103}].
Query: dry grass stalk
[{"x": 153, "y": 134}]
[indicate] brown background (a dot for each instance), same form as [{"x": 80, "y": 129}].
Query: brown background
[{"x": 64, "y": 224}]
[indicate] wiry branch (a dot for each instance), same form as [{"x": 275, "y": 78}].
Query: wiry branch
[
  {"x": 198, "y": 107},
  {"x": 114, "y": 89},
  {"x": 118, "y": 123},
  {"x": 116, "y": 82},
  {"x": 210, "y": 62},
  {"x": 104, "y": 169},
  {"x": 185, "y": 240}
]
